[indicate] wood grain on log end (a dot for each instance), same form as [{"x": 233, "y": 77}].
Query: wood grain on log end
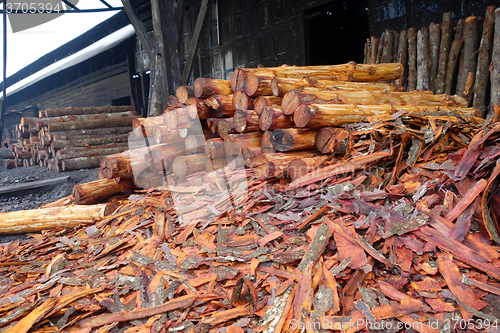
[{"x": 290, "y": 102}]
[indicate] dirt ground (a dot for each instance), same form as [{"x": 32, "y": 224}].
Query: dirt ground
[{"x": 30, "y": 199}]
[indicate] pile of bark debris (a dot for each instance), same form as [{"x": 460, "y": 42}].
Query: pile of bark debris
[
  {"x": 394, "y": 227},
  {"x": 70, "y": 138}
]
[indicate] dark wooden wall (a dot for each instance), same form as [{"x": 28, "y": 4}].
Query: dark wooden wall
[{"x": 404, "y": 14}]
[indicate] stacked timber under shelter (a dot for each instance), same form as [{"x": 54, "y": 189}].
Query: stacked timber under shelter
[{"x": 348, "y": 197}]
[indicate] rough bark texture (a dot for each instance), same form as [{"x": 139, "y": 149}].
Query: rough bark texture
[
  {"x": 373, "y": 50},
  {"x": 483, "y": 61},
  {"x": 444, "y": 51},
  {"x": 207, "y": 87},
  {"x": 466, "y": 77},
  {"x": 423, "y": 59},
  {"x": 380, "y": 48}
]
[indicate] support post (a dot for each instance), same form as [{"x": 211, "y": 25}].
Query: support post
[
  {"x": 139, "y": 27},
  {"x": 4, "y": 83}
]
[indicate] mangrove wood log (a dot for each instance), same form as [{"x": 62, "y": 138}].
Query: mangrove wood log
[
  {"x": 99, "y": 190},
  {"x": 465, "y": 81},
  {"x": 293, "y": 139},
  {"x": 301, "y": 166},
  {"x": 453, "y": 58},
  {"x": 222, "y": 105},
  {"x": 272, "y": 118},
  {"x": 183, "y": 93},
  {"x": 90, "y": 124},
  {"x": 56, "y": 112},
  {"x": 275, "y": 165},
  {"x": 412, "y": 59},
  {"x": 233, "y": 143},
  {"x": 215, "y": 148},
  {"x": 207, "y": 87},
  {"x": 49, "y": 218},
  {"x": 332, "y": 140},
  {"x": 262, "y": 101},
  {"x": 444, "y": 51},
  {"x": 187, "y": 165},
  {"x": 257, "y": 85},
  {"x": 434, "y": 39},
  {"x": 162, "y": 134},
  {"x": 245, "y": 121},
  {"x": 423, "y": 59}
]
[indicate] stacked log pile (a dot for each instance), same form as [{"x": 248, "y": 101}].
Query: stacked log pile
[
  {"x": 459, "y": 57},
  {"x": 71, "y": 138}
]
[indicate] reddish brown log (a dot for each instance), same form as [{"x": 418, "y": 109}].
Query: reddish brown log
[
  {"x": 66, "y": 135},
  {"x": 123, "y": 165},
  {"x": 257, "y": 85},
  {"x": 250, "y": 152},
  {"x": 195, "y": 144},
  {"x": 61, "y": 148},
  {"x": 465, "y": 81},
  {"x": 215, "y": 148},
  {"x": 161, "y": 134},
  {"x": 266, "y": 145},
  {"x": 161, "y": 157},
  {"x": 99, "y": 190},
  {"x": 215, "y": 164},
  {"x": 302, "y": 166},
  {"x": 225, "y": 127},
  {"x": 222, "y": 105},
  {"x": 332, "y": 140},
  {"x": 275, "y": 165},
  {"x": 272, "y": 118},
  {"x": 183, "y": 93},
  {"x": 293, "y": 99},
  {"x": 56, "y": 112},
  {"x": 207, "y": 87},
  {"x": 246, "y": 121},
  {"x": 241, "y": 100},
  {"x": 187, "y": 165},
  {"x": 10, "y": 163},
  {"x": 198, "y": 109},
  {"x": 293, "y": 139},
  {"x": 233, "y": 143},
  {"x": 90, "y": 141},
  {"x": 90, "y": 124},
  {"x": 412, "y": 59},
  {"x": 453, "y": 58},
  {"x": 261, "y": 102}
]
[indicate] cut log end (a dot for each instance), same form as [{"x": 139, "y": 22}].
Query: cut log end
[
  {"x": 239, "y": 121},
  {"x": 302, "y": 116},
  {"x": 180, "y": 167},
  {"x": 170, "y": 120},
  {"x": 251, "y": 85},
  {"x": 275, "y": 88},
  {"x": 266, "y": 143},
  {"x": 183, "y": 93},
  {"x": 290, "y": 102},
  {"x": 266, "y": 119}
]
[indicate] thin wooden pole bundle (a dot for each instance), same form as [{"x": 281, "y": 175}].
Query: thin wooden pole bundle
[{"x": 387, "y": 48}]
